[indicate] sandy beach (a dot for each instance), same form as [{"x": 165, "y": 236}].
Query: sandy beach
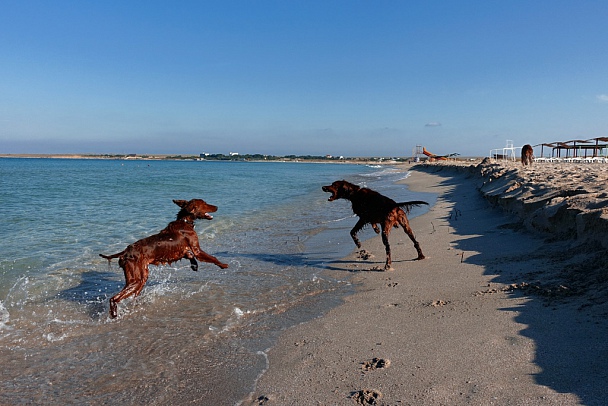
[{"x": 508, "y": 308}]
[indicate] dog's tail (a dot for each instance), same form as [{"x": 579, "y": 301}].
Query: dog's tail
[
  {"x": 408, "y": 205},
  {"x": 109, "y": 257}
]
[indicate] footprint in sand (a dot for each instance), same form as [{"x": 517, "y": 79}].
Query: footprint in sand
[
  {"x": 367, "y": 397},
  {"x": 376, "y": 363},
  {"x": 262, "y": 400},
  {"x": 363, "y": 254},
  {"x": 438, "y": 303}
]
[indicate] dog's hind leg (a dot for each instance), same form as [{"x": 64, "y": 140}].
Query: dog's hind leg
[
  {"x": 408, "y": 230},
  {"x": 134, "y": 286},
  {"x": 128, "y": 290}
]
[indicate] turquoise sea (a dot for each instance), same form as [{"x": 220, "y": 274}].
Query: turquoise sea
[{"x": 189, "y": 335}]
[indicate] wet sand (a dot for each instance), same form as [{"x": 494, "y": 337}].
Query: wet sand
[{"x": 509, "y": 308}]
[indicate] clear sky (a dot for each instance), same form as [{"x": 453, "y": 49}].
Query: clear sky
[{"x": 353, "y": 78}]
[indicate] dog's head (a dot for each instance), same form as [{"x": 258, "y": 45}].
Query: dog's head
[
  {"x": 340, "y": 189},
  {"x": 197, "y": 208}
]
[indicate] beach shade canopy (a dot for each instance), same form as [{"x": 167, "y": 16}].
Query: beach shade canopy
[{"x": 575, "y": 148}]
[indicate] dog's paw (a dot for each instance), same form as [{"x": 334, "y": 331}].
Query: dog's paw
[
  {"x": 223, "y": 266},
  {"x": 113, "y": 310}
]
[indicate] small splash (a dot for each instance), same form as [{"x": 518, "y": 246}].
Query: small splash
[
  {"x": 50, "y": 337},
  {"x": 4, "y": 316}
]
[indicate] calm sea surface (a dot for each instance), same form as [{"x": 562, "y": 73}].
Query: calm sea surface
[{"x": 190, "y": 336}]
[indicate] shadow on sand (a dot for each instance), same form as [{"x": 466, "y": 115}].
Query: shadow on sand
[{"x": 567, "y": 325}]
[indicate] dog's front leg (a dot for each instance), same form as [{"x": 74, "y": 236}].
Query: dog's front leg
[
  {"x": 211, "y": 259},
  {"x": 388, "y": 265},
  {"x": 195, "y": 249},
  {"x": 353, "y": 233},
  {"x": 203, "y": 256},
  {"x": 193, "y": 264}
]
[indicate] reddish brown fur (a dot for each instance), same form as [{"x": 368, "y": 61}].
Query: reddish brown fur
[
  {"x": 527, "y": 154},
  {"x": 374, "y": 208},
  {"x": 177, "y": 241}
]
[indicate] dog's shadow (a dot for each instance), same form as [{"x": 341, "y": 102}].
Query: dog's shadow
[
  {"x": 367, "y": 264},
  {"x": 298, "y": 260},
  {"x": 92, "y": 292}
]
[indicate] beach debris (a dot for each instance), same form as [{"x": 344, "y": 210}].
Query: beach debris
[
  {"x": 552, "y": 291},
  {"x": 367, "y": 397},
  {"x": 375, "y": 363}
]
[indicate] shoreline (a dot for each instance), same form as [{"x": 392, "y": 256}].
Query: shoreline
[{"x": 492, "y": 316}]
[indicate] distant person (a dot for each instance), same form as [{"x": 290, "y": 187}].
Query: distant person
[{"x": 527, "y": 154}]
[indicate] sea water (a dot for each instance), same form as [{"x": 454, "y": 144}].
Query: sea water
[{"x": 190, "y": 336}]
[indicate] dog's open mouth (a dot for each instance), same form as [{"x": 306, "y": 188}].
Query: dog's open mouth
[
  {"x": 207, "y": 216},
  {"x": 328, "y": 190}
]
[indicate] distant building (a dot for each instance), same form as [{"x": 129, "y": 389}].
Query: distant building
[{"x": 234, "y": 154}]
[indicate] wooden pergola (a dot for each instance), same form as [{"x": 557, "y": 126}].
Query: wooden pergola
[{"x": 575, "y": 148}]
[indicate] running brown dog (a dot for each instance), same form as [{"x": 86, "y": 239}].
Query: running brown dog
[
  {"x": 177, "y": 241},
  {"x": 527, "y": 153},
  {"x": 374, "y": 208}
]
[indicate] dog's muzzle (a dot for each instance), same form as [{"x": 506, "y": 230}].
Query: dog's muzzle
[{"x": 329, "y": 190}]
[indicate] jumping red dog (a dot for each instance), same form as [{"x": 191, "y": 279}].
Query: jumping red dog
[
  {"x": 374, "y": 208},
  {"x": 177, "y": 241},
  {"x": 527, "y": 155}
]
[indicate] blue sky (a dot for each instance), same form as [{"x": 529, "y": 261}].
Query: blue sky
[{"x": 353, "y": 78}]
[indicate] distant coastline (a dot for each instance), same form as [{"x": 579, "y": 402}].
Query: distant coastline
[
  {"x": 218, "y": 157},
  {"x": 232, "y": 158}
]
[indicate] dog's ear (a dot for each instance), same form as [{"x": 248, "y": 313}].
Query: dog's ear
[
  {"x": 348, "y": 188},
  {"x": 181, "y": 203}
]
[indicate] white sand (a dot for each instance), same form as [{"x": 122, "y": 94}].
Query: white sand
[{"x": 496, "y": 315}]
